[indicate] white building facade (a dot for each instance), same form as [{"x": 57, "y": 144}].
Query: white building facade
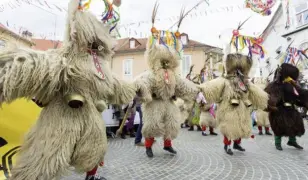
[{"x": 279, "y": 34}]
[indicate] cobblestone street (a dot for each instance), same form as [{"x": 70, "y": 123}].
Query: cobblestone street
[{"x": 203, "y": 158}]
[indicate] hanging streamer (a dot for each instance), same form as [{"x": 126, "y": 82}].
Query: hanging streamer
[{"x": 261, "y": 7}]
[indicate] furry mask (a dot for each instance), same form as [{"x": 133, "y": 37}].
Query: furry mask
[
  {"x": 286, "y": 70},
  {"x": 164, "y": 48},
  {"x": 85, "y": 31}
]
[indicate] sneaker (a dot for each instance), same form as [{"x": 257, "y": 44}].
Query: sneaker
[
  {"x": 139, "y": 144},
  {"x": 204, "y": 134},
  {"x": 170, "y": 149},
  {"x": 238, "y": 147},
  {"x": 228, "y": 150},
  {"x": 294, "y": 144}
]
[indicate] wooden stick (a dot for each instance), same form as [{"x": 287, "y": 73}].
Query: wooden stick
[{"x": 120, "y": 130}]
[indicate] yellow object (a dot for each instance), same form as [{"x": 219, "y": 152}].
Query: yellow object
[
  {"x": 15, "y": 121},
  {"x": 288, "y": 79}
]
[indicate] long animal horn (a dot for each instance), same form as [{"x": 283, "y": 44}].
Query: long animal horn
[{"x": 154, "y": 13}]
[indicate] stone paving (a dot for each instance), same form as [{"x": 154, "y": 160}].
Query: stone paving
[{"x": 203, "y": 158}]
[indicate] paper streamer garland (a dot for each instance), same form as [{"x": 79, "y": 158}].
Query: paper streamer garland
[
  {"x": 294, "y": 56},
  {"x": 261, "y": 7},
  {"x": 110, "y": 15},
  {"x": 253, "y": 44}
]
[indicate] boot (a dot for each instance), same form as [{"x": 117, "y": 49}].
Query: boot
[
  {"x": 123, "y": 136},
  {"x": 170, "y": 149},
  {"x": 199, "y": 128},
  {"x": 212, "y": 132},
  {"x": 182, "y": 125},
  {"x": 260, "y": 130},
  {"x": 294, "y": 144},
  {"x": 228, "y": 150},
  {"x": 96, "y": 177},
  {"x": 149, "y": 152},
  {"x": 238, "y": 147},
  {"x": 260, "y": 133},
  {"x": 278, "y": 147},
  {"x": 204, "y": 133},
  {"x": 268, "y": 133},
  {"x": 191, "y": 128}
]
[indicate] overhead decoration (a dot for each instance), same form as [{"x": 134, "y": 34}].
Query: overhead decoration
[
  {"x": 262, "y": 7},
  {"x": 240, "y": 42},
  {"x": 295, "y": 57},
  {"x": 110, "y": 15},
  {"x": 167, "y": 38}
]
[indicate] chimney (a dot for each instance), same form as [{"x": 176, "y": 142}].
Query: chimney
[{"x": 27, "y": 34}]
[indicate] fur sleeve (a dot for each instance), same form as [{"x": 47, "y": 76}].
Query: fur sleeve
[
  {"x": 274, "y": 95},
  {"x": 143, "y": 86},
  {"x": 28, "y": 73},
  {"x": 186, "y": 89},
  {"x": 212, "y": 90},
  {"x": 124, "y": 92},
  {"x": 258, "y": 97}
]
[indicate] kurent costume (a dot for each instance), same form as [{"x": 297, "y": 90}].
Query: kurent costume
[
  {"x": 207, "y": 111},
  {"x": 261, "y": 116},
  {"x": 235, "y": 96},
  {"x": 284, "y": 97},
  {"x": 71, "y": 84},
  {"x": 160, "y": 85}
]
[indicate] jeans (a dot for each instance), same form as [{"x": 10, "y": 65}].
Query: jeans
[{"x": 139, "y": 134}]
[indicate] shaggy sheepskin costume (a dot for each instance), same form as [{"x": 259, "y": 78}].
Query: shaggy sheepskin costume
[
  {"x": 235, "y": 96},
  {"x": 285, "y": 95},
  {"x": 159, "y": 87},
  {"x": 262, "y": 119},
  {"x": 71, "y": 83},
  {"x": 207, "y": 117},
  {"x": 184, "y": 109}
]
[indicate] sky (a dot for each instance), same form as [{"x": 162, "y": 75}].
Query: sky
[{"x": 204, "y": 24}]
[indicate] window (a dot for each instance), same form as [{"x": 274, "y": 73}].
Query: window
[
  {"x": 2, "y": 44},
  {"x": 301, "y": 11},
  {"x": 128, "y": 68},
  {"x": 132, "y": 43},
  {"x": 185, "y": 65}
]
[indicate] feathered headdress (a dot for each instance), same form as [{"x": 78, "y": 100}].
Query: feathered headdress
[
  {"x": 252, "y": 44},
  {"x": 167, "y": 38},
  {"x": 110, "y": 16}
]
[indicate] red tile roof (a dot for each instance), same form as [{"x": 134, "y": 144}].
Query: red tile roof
[
  {"x": 123, "y": 45},
  {"x": 45, "y": 44}
]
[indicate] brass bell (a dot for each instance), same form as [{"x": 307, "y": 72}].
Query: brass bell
[
  {"x": 247, "y": 103},
  {"x": 100, "y": 105},
  {"x": 235, "y": 102},
  {"x": 74, "y": 100}
]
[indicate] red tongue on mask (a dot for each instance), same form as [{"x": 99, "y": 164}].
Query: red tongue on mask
[{"x": 166, "y": 76}]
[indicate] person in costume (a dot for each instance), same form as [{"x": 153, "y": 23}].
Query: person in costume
[
  {"x": 207, "y": 111},
  {"x": 284, "y": 96},
  {"x": 261, "y": 116},
  {"x": 235, "y": 96},
  {"x": 73, "y": 85},
  {"x": 160, "y": 86}
]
